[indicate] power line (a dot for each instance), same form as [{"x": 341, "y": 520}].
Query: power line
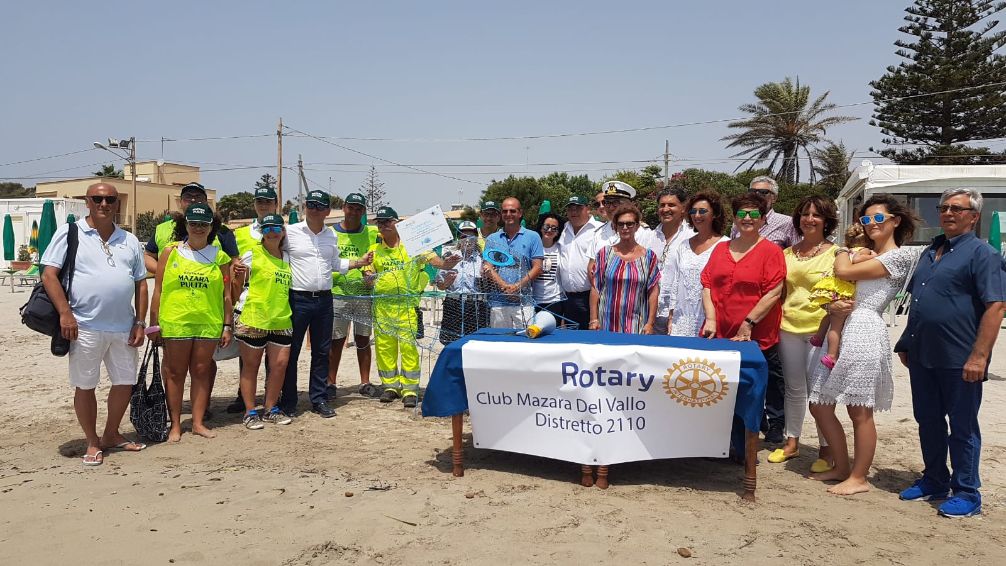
[
  {"x": 48, "y": 157},
  {"x": 381, "y": 158}
]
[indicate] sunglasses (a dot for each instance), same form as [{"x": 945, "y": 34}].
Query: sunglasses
[
  {"x": 612, "y": 201},
  {"x": 316, "y": 206},
  {"x": 626, "y": 225},
  {"x": 698, "y": 211},
  {"x": 943, "y": 208},
  {"x": 752, "y": 214},
  {"x": 98, "y": 199},
  {"x": 264, "y": 201},
  {"x": 272, "y": 229},
  {"x": 198, "y": 225},
  {"x": 549, "y": 228},
  {"x": 878, "y": 218},
  {"x": 762, "y": 192}
]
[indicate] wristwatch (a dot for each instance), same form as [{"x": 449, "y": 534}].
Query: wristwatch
[
  {"x": 140, "y": 323},
  {"x": 749, "y": 321}
]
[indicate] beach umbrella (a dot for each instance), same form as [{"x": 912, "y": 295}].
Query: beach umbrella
[
  {"x": 293, "y": 217},
  {"x": 546, "y": 207},
  {"x": 70, "y": 218},
  {"x": 33, "y": 240},
  {"x": 995, "y": 233},
  {"x": 47, "y": 227},
  {"x": 8, "y": 238}
]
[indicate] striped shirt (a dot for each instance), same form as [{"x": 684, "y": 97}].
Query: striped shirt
[{"x": 623, "y": 288}]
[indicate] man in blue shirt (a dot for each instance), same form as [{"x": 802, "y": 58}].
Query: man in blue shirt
[
  {"x": 958, "y": 293},
  {"x": 512, "y": 306}
]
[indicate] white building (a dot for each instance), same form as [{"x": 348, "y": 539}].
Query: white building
[{"x": 920, "y": 187}]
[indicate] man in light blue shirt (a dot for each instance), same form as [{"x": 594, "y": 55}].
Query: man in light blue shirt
[
  {"x": 512, "y": 305},
  {"x": 103, "y": 316}
]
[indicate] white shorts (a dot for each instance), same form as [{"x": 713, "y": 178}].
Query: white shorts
[
  {"x": 358, "y": 310},
  {"x": 93, "y": 347},
  {"x": 516, "y": 316}
]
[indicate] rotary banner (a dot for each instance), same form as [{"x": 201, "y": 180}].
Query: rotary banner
[{"x": 600, "y": 404}]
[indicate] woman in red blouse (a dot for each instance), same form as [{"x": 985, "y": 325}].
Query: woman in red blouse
[{"x": 742, "y": 286}]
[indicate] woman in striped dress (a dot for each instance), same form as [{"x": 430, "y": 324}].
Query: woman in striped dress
[{"x": 625, "y": 280}]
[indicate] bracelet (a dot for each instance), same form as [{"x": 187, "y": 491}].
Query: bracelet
[
  {"x": 151, "y": 329},
  {"x": 140, "y": 323},
  {"x": 751, "y": 322},
  {"x": 228, "y": 325},
  {"x": 594, "y": 320}
]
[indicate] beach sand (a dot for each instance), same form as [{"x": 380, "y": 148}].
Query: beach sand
[{"x": 373, "y": 486}]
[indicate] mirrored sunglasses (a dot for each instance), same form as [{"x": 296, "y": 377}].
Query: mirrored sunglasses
[
  {"x": 752, "y": 214},
  {"x": 698, "y": 211},
  {"x": 272, "y": 229},
  {"x": 878, "y": 218}
]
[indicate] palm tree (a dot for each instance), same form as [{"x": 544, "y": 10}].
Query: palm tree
[
  {"x": 108, "y": 171},
  {"x": 832, "y": 165},
  {"x": 784, "y": 123}
]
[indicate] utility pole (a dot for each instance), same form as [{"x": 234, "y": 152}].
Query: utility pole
[
  {"x": 303, "y": 183},
  {"x": 132, "y": 165},
  {"x": 667, "y": 164},
  {"x": 279, "y": 164}
]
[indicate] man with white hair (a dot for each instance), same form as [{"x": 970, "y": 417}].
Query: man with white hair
[
  {"x": 778, "y": 228},
  {"x": 958, "y": 300}
]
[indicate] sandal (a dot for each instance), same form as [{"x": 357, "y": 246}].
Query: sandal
[
  {"x": 778, "y": 456},
  {"x": 95, "y": 459},
  {"x": 820, "y": 466},
  {"x": 369, "y": 390}
]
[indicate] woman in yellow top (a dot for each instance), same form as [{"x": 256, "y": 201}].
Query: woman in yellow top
[
  {"x": 806, "y": 263},
  {"x": 191, "y": 313},
  {"x": 262, "y": 320}
]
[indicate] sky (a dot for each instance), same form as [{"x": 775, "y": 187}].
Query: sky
[{"x": 426, "y": 78}]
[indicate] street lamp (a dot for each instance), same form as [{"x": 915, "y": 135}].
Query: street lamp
[{"x": 129, "y": 144}]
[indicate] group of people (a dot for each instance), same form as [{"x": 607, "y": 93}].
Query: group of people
[{"x": 813, "y": 307}]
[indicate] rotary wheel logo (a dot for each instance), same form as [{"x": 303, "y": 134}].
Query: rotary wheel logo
[{"x": 695, "y": 382}]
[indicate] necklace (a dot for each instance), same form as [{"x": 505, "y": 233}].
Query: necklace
[{"x": 813, "y": 252}]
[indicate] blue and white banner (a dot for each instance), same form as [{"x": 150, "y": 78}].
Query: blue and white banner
[{"x": 600, "y": 404}]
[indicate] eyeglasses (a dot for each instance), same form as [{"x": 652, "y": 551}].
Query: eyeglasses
[
  {"x": 752, "y": 214},
  {"x": 110, "y": 199},
  {"x": 762, "y": 192},
  {"x": 272, "y": 229},
  {"x": 197, "y": 225},
  {"x": 878, "y": 218},
  {"x": 549, "y": 228},
  {"x": 316, "y": 205},
  {"x": 108, "y": 252},
  {"x": 626, "y": 225},
  {"x": 943, "y": 208},
  {"x": 698, "y": 211}
]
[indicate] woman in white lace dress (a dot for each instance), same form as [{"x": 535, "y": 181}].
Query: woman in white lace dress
[
  {"x": 861, "y": 379},
  {"x": 683, "y": 289}
]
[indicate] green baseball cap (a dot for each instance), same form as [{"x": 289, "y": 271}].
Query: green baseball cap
[
  {"x": 193, "y": 188},
  {"x": 386, "y": 213},
  {"x": 320, "y": 197},
  {"x": 577, "y": 200},
  {"x": 356, "y": 198},
  {"x": 267, "y": 193},
  {"x": 198, "y": 212},
  {"x": 271, "y": 220},
  {"x": 490, "y": 205}
]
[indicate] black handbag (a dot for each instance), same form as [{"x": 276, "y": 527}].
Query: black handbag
[
  {"x": 38, "y": 313},
  {"x": 148, "y": 409}
]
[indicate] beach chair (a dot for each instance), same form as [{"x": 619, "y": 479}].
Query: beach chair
[{"x": 28, "y": 277}]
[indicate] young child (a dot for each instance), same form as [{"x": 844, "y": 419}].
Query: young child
[{"x": 830, "y": 289}]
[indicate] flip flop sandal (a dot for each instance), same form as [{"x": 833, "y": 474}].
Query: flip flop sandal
[
  {"x": 370, "y": 390},
  {"x": 121, "y": 447},
  {"x": 94, "y": 460}
]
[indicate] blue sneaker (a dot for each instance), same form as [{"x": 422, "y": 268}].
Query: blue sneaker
[
  {"x": 958, "y": 507},
  {"x": 923, "y": 490}
]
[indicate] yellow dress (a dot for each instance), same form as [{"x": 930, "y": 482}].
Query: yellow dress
[{"x": 831, "y": 288}]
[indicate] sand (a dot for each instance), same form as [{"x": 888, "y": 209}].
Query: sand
[{"x": 373, "y": 486}]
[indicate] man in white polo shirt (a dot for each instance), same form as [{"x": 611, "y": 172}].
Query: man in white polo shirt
[
  {"x": 575, "y": 244},
  {"x": 103, "y": 318}
]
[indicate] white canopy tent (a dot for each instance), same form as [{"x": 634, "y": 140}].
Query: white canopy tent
[
  {"x": 920, "y": 187},
  {"x": 24, "y": 210}
]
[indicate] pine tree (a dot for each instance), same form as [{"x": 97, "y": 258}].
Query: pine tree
[
  {"x": 266, "y": 181},
  {"x": 373, "y": 189},
  {"x": 953, "y": 47}
]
